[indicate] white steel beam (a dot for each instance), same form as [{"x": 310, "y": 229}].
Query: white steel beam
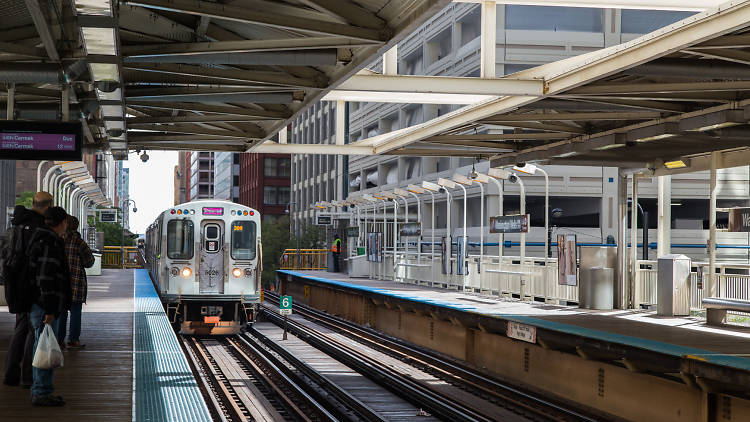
[
  {"x": 443, "y": 85},
  {"x": 579, "y": 70},
  {"x": 404, "y": 97},
  {"x": 684, "y": 5},
  {"x": 487, "y": 60},
  {"x": 269, "y": 147}
]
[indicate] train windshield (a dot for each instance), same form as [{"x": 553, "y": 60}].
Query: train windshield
[
  {"x": 243, "y": 239},
  {"x": 180, "y": 239}
]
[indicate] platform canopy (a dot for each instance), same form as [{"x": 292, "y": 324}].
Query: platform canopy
[
  {"x": 661, "y": 102},
  {"x": 189, "y": 74}
]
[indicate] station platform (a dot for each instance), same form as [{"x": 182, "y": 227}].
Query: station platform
[
  {"x": 132, "y": 368},
  {"x": 483, "y": 330}
]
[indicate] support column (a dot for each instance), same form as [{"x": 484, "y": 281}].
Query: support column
[
  {"x": 11, "y": 102},
  {"x": 664, "y": 230},
  {"x": 488, "y": 39},
  {"x": 631, "y": 286},
  {"x": 390, "y": 61},
  {"x": 622, "y": 241},
  {"x": 65, "y": 100},
  {"x": 713, "y": 291}
]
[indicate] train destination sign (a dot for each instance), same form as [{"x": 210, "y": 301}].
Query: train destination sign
[
  {"x": 509, "y": 223},
  {"x": 25, "y": 140},
  {"x": 352, "y": 231},
  {"x": 213, "y": 211}
]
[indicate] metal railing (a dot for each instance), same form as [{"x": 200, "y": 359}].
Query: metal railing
[
  {"x": 117, "y": 257},
  {"x": 730, "y": 284},
  {"x": 303, "y": 259}
]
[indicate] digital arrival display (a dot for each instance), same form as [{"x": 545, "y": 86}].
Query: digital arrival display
[{"x": 27, "y": 140}]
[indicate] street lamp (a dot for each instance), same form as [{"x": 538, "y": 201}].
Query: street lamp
[{"x": 125, "y": 208}]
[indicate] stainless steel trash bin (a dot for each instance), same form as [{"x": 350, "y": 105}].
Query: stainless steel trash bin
[
  {"x": 673, "y": 285},
  {"x": 601, "y": 290}
]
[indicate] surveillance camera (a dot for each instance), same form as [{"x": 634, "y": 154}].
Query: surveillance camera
[
  {"x": 513, "y": 178},
  {"x": 144, "y": 157},
  {"x": 135, "y": 209},
  {"x": 521, "y": 164},
  {"x": 107, "y": 86}
]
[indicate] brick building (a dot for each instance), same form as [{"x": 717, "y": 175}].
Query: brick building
[{"x": 265, "y": 183}]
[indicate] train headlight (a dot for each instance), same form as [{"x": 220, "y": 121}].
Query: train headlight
[
  {"x": 175, "y": 271},
  {"x": 248, "y": 272},
  {"x": 237, "y": 273},
  {"x": 187, "y": 272}
]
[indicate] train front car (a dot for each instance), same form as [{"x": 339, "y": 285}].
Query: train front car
[{"x": 208, "y": 269}]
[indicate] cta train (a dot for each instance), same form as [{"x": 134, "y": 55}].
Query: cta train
[{"x": 205, "y": 259}]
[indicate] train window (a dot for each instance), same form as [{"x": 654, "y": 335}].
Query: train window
[
  {"x": 243, "y": 239},
  {"x": 212, "y": 232},
  {"x": 180, "y": 239}
]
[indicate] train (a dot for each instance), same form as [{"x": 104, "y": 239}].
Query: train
[{"x": 205, "y": 260}]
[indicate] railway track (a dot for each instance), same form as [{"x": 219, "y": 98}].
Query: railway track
[
  {"x": 241, "y": 383},
  {"x": 523, "y": 403}
]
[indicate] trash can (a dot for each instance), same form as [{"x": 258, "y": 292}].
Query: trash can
[
  {"x": 601, "y": 288},
  {"x": 96, "y": 269},
  {"x": 673, "y": 285}
]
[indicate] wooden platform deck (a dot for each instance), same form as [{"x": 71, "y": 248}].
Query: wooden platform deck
[
  {"x": 676, "y": 336},
  {"x": 97, "y": 381}
]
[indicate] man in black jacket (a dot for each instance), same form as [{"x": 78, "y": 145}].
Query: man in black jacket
[
  {"x": 18, "y": 362},
  {"x": 51, "y": 292}
]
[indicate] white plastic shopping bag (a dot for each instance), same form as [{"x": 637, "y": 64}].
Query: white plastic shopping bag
[{"x": 48, "y": 354}]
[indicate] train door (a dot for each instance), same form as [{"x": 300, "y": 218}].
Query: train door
[{"x": 212, "y": 258}]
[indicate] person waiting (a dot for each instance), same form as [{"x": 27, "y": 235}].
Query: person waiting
[{"x": 79, "y": 258}]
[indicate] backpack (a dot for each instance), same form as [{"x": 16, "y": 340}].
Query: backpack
[{"x": 13, "y": 268}]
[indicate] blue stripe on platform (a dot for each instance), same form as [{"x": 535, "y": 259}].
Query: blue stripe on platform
[
  {"x": 165, "y": 387},
  {"x": 739, "y": 362}
]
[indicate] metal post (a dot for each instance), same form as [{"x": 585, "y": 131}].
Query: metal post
[
  {"x": 11, "y": 102},
  {"x": 448, "y": 233},
  {"x": 465, "y": 236},
  {"x": 663, "y": 241},
  {"x": 631, "y": 286},
  {"x": 395, "y": 235},
  {"x": 522, "y": 292},
  {"x": 39, "y": 175},
  {"x": 713, "y": 291},
  {"x": 419, "y": 220},
  {"x": 622, "y": 241},
  {"x": 481, "y": 222},
  {"x": 432, "y": 248},
  {"x": 500, "y": 212}
]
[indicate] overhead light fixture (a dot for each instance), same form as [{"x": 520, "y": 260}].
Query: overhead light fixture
[
  {"x": 525, "y": 168},
  {"x": 368, "y": 197},
  {"x": 432, "y": 187},
  {"x": 714, "y": 121},
  {"x": 481, "y": 178},
  {"x": 400, "y": 192},
  {"x": 677, "y": 164},
  {"x": 676, "y": 204},
  {"x": 459, "y": 178},
  {"x": 499, "y": 173},
  {"x": 449, "y": 184},
  {"x": 415, "y": 189},
  {"x": 566, "y": 154},
  {"x": 654, "y": 132}
]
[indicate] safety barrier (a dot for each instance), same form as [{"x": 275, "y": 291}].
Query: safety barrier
[
  {"x": 115, "y": 257},
  {"x": 731, "y": 283},
  {"x": 303, "y": 259}
]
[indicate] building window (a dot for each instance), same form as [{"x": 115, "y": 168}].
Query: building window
[
  {"x": 440, "y": 46},
  {"x": 470, "y": 26},
  {"x": 546, "y": 18},
  {"x": 645, "y": 21},
  {"x": 269, "y": 195},
  {"x": 276, "y": 195},
  {"x": 277, "y": 167}
]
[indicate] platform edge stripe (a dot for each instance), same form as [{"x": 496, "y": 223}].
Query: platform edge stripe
[
  {"x": 641, "y": 343},
  {"x": 168, "y": 390}
]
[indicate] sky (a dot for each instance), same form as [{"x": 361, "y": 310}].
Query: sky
[{"x": 151, "y": 186}]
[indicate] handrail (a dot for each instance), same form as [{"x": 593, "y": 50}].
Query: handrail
[
  {"x": 121, "y": 257},
  {"x": 303, "y": 259}
]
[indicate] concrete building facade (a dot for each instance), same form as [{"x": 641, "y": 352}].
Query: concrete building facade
[
  {"x": 527, "y": 36},
  {"x": 227, "y": 176},
  {"x": 201, "y": 177}
]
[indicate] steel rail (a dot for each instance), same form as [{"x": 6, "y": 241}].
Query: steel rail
[
  {"x": 351, "y": 402},
  {"x": 302, "y": 402},
  {"x": 445, "y": 368},
  {"x": 412, "y": 391}
]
